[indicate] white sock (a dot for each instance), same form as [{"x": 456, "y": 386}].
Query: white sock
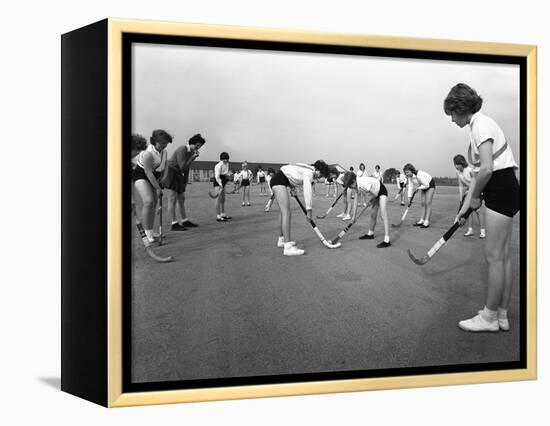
[
  {"x": 174, "y": 222},
  {"x": 426, "y": 222},
  {"x": 488, "y": 314},
  {"x": 281, "y": 240},
  {"x": 149, "y": 233},
  {"x": 219, "y": 216},
  {"x": 469, "y": 230},
  {"x": 387, "y": 239},
  {"x": 288, "y": 245},
  {"x": 370, "y": 232},
  {"x": 184, "y": 220},
  {"x": 502, "y": 313}
]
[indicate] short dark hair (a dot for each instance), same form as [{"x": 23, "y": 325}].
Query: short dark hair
[
  {"x": 462, "y": 99},
  {"x": 349, "y": 179},
  {"x": 322, "y": 167},
  {"x": 224, "y": 156},
  {"x": 410, "y": 167},
  {"x": 377, "y": 166},
  {"x": 139, "y": 143},
  {"x": 362, "y": 164},
  {"x": 459, "y": 160},
  {"x": 158, "y": 135},
  {"x": 197, "y": 140}
]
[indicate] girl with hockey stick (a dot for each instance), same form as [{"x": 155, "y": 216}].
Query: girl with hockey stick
[
  {"x": 270, "y": 174},
  {"x": 221, "y": 176},
  {"x": 175, "y": 177},
  {"x": 245, "y": 176},
  {"x": 495, "y": 178},
  {"x": 377, "y": 193},
  {"x": 464, "y": 175},
  {"x": 340, "y": 188},
  {"x": 420, "y": 180},
  {"x": 292, "y": 176},
  {"x": 145, "y": 176}
]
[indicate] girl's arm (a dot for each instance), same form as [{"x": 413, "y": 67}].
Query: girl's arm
[
  {"x": 185, "y": 165},
  {"x": 484, "y": 174},
  {"x": 147, "y": 161},
  {"x": 217, "y": 174},
  {"x": 410, "y": 187},
  {"x": 460, "y": 188}
]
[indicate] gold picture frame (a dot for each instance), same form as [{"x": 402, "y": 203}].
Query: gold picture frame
[{"x": 111, "y": 32}]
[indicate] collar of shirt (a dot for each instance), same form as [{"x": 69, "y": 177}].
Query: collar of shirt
[{"x": 474, "y": 118}]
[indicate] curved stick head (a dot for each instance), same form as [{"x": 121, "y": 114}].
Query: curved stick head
[
  {"x": 213, "y": 196},
  {"x": 417, "y": 261},
  {"x": 398, "y": 225}
]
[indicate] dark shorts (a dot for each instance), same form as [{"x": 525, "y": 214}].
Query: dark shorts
[
  {"x": 245, "y": 182},
  {"x": 382, "y": 190},
  {"x": 223, "y": 178},
  {"x": 432, "y": 185},
  {"x": 501, "y": 194},
  {"x": 174, "y": 180},
  {"x": 262, "y": 179},
  {"x": 403, "y": 184},
  {"x": 279, "y": 179},
  {"x": 138, "y": 173},
  {"x": 329, "y": 180}
]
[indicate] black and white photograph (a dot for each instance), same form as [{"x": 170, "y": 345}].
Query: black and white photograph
[{"x": 305, "y": 213}]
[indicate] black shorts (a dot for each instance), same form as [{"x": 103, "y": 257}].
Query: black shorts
[
  {"x": 223, "y": 178},
  {"x": 432, "y": 185},
  {"x": 501, "y": 194},
  {"x": 279, "y": 179},
  {"x": 245, "y": 182},
  {"x": 262, "y": 179},
  {"x": 382, "y": 190},
  {"x": 403, "y": 184},
  {"x": 138, "y": 173}
]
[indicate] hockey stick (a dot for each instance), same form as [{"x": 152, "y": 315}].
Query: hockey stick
[
  {"x": 331, "y": 207},
  {"x": 269, "y": 203},
  {"x": 161, "y": 236},
  {"x": 312, "y": 223},
  {"x": 406, "y": 211},
  {"x": 440, "y": 242},
  {"x": 146, "y": 242},
  {"x": 398, "y": 194},
  {"x": 347, "y": 228},
  {"x": 214, "y": 195}
]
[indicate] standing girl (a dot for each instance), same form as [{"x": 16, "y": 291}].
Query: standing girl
[
  {"x": 374, "y": 189},
  {"x": 376, "y": 174},
  {"x": 221, "y": 176},
  {"x": 420, "y": 180},
  {"x": 260, "y": 176},
  {"x": 145, "y": 176},
  {"x": 340, "y": 188},
  {"x": 464, "y": 175},
  {"x": 362, "y": 172},
  {"x": 495, "y": 178},
  {"x": 401, "y": 185},
  {"x": 245, "y": 176},
  {"x": 292, "y": 176}
]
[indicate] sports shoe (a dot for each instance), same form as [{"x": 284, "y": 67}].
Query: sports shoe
[
  {"x": 156, "y": 234},
  {"x": 341, "y": 215},
  {"x": 402, "y": 203},
  {"x": 189, "y": 224},
  {"x": 478, "y": 323},
  {"x": 281, "y": 242},
  {"x": 424, "y": 226},
  {"x": 221, "y": 219},
  {"x": 226, "y": 217},
  {"x": 292, "y": 250},
  {"x": 482, "y": 234},
  {"x": 367, "y": 237},
  {"x": 383, "y": 244},
  {"x": 242, "y": 205},
  {"x": 418, "y": 224},
  {"x": 248, "y": 204},
  {"x": 469, "y": 232},
  {"x": 346, "y": 217},
  {"x": 177, "y": 227},
  {"x": 503, "y": 323}
]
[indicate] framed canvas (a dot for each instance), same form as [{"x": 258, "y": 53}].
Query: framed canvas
[{"x": 304, "y": 212}]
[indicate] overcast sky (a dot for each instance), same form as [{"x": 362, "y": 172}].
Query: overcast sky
[{"x": 300, "y": 107}]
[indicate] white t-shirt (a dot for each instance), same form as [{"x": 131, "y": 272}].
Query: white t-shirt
[
  {"x": 260, "y": 174},
  {"x": 368, "y": 184},
  {"x": 245, "y": 174},
  {"x": 361, "y": 173},
  {"x": 420, "y": 181},
  {"x": 301, "y": 174},
  {"x": 402, "y": 178},
  {"x": 465, "y": 177},
  {"x": 483, "y": 128},
  {"x": 340, "y": 179},
  {"x": 221, "y": 169},
  {"x": 377, "y": 175},
  {"x": 159, "y": 158}
]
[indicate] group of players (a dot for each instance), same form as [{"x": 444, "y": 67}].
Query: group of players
[{"x": 489, "y": 171}]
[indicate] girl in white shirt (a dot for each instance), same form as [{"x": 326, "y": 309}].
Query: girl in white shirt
[
  {"x": 376, "y": 174},
  {"x": 245, "y": 176},
  {"x": 149, "y": 163},
  {"x": 378, "y": 194},
  {"x": 401, "y": 185},
  {"x": 221, "y": 176},
  {"x": 420, "y": 180},
  {"x": 494, "y": 177},
  {"x": 362, "y": 172},
  {"x": 464, "y": 175},
  {"x": 260, "y": 177},
  {"x": 345, "y": 215},
  {"x": 292, "y": 176}
]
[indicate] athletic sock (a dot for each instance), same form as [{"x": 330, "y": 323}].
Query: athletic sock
[
  {"x": 175, "y": 222},
  {"x": 218, "y": 216},
  {"x": 488, "y": 314},
  {"x": 502, "y": 313},
  {"x": 184, "y": 220},
  {"x": 387, "y": 239},
  {"x": 426, "y": 222},
  {"x": 149, "y": 233},
  {"x": 370, "y": 232}
]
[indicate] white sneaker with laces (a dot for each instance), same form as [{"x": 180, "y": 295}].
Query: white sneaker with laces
[
  {"x": 346, "y": 217},
  {"x": 478, "y": 323},
  {"x": 469, "y": 232},
  {"x": 341, "y": 215},
  {"x": 291, "y": 250},
  {"x": 482, "y": 234}
]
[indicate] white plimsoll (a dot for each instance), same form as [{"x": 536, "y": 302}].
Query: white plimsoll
[
  {"x": 292, "y": 250},
  {"x": 281, "y": 242},
  {"x": 478, "y": 323}
]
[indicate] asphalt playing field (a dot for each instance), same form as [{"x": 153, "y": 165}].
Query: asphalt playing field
[{"x": 231, "y": 305}]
